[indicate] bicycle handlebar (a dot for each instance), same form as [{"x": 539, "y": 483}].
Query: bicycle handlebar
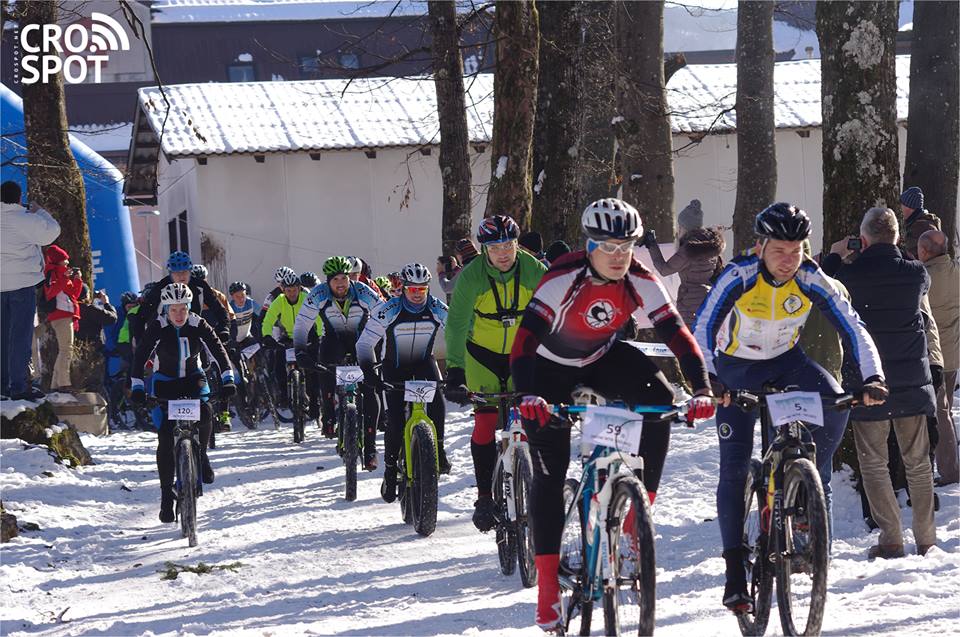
[
  {"x": 400, "y": 385},
  {"x": 748, "y": 400}
]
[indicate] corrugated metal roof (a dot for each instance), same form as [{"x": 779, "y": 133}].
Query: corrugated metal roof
[{"x": 259, "y": 117}]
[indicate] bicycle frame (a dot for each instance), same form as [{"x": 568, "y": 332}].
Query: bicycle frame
[
  {"x": 513, "y": 440},
  {"x": 418, "y": 413}
]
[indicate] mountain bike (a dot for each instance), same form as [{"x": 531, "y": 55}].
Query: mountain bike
[
  {"x": 245, "y": 401},
  {"x": 296, "y": 395},
  {"x": 607, "y": 552},
  {"x": 349, "y": 418},
  {"x": 785, "y": 514},
  {"x": 512, "y": 480},
  {"x": 266, "y": 385},
  {"x": 418, "y": 465}
]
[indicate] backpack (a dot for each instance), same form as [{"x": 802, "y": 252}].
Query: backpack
[{"x": 45, "y": 306}]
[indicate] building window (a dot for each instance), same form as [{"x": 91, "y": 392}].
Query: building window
[
  {"x": 241, "y": 72},
  {"x": 309, "y": 65},
  {"x": 179, "y": 237},
  {"x": 349, "y": 60}
]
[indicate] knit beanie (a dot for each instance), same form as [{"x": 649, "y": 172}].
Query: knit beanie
[
  {"x": 532, "y": 242},
  {"x": 56, "y": 254},
  {"x": 912, "y": 197},
  {"x": 466, "y": 248},
  {"x": 556, "y": 250},
  {"x": 692, "y": 216}
]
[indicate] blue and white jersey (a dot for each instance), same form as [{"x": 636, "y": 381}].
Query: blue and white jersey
[
  {"x": 403, "y": 334},
  {"x": 342, "y": 319},
  {"x": 243, "y": 318}
]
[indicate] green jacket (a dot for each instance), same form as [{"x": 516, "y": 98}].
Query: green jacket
[
  {"x": 474, "y": 312},
  {"x": 281, "y": 309},
  {"x": 123, "y": 336}
]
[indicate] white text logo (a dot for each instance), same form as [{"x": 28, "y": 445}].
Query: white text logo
[{"x": 82, "y": 45}]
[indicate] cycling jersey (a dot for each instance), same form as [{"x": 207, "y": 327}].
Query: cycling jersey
[
  {"x": 405, "y": 334},
  {"x": 286, "y": 312},
  {"x": 574, "y": 316},
  {"x": 342, "y": 320},
  {"x": 765, "y": 317},
  {"x": 243, "y": 316},
  {"x": 178, "y": 350},
  {"x": 123, "y": 335}
]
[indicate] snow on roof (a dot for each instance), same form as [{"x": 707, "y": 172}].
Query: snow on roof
[
  {"x": 258, "y": 117},
  {"x": 179, "y": 11},
  {"x": 104, "y": 138}
]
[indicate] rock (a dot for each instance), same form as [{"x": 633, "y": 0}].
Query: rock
[
  {"x": 32, "y": 425},
  {"x": 8, "y": 526}
]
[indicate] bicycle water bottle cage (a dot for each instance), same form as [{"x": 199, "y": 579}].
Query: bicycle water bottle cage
[{"x": 583, "y": 395}]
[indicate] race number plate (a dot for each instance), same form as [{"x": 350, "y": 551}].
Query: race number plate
[
  {"x": 612, "y": 427},
  {"x": 291, "y": 354},
  {"x": 250, "y": 350},
  {"x": 792, "y": 406},
  {"x": 349, "y": 375},
  {"x": 419, "y": 391},
  {"x": 183, "y": 409}
]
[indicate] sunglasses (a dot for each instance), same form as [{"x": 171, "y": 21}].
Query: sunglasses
[
  {"x": 502, "y": 247},
  {"x": 608, "y": 247},
  {"x": 417, "y": 289}
]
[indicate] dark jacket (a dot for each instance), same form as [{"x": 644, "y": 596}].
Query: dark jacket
[
  {"x": 886, "y": 290},
  {"x": 203, "y": 294},
  {"x": 915, "y": 225},
  {"x": 92, "y": 321},
  {"x": 697, "y": 261}
]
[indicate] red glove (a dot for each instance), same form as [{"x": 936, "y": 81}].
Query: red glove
[
  {"x": 535, "y": 408},
  {"x": 701, "y": 407}
]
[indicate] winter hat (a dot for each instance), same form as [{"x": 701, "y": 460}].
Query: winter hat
[
  {"x": 556, "y": 250},
  {"x": 912, "y": 197},
  {"x": 466, "y": 248},
  {"x": 56, "y": 254},
  {"x": 692, "y": 216},
  {"x": 532, "y": 242}
]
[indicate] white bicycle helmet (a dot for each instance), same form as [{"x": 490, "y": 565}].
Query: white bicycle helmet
[
  {"x": 611, "y": 219},
  {"x": 199, "y": 271},
  {"x": 290, "y": 278},
  {"x": 356, "y": 265},
  {"x": 175, "y": 294},
  {"x": 282, "y": 272},
  {"x": 415, "y": 274}
]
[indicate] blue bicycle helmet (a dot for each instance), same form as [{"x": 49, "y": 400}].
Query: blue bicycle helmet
[{"x": 179, "y": 261}]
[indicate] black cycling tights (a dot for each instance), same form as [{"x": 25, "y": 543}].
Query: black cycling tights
[
  {"x": 623, "y": 373},
  {"x": 165, "y": 441}
]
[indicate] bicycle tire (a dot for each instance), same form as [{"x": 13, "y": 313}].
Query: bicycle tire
[
  {"x": 572, "y": 549},
  {"x": 296, "y": 406},
  {"x": 245, "y": 411},
  {"x": 187, "y": 495},
  {"x": 423, "y": 459},
  {"x": 265, "y": 391},
  {"x": 403, "y": 490},
  {"x": 804, "y": 544},
  {"x": 757, "y": 543},
  {"x": 522, "y": 482},
  {"x": 350, "y": 451},
  {"x": 631, "y": 606},
  {"x": 504, "y": 532}
]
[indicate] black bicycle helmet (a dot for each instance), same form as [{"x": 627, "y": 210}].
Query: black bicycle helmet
[{"x": 782, "y": 221}]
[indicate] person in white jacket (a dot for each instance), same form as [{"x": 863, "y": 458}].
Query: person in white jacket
[{"x": 23, "y": 232}]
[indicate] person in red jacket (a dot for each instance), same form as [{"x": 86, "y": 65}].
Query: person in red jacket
[{"x": 62, "y": 286}]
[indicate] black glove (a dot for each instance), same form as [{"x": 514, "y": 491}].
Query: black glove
[
  {"x": 936, "y": 372},
  {"x": 371, "y": 380},
  {"x": 456, "y": 388},
  {"x": 228, "y": 390},
  {"x": 649, "y": 237},
  {"x": 270, "y": 342},
  {"x": 224, "y": 336},
  {"x": 138, "y": 396},
  {"x": 305, "y": 359},
  {"x": 717, "y": 387}
]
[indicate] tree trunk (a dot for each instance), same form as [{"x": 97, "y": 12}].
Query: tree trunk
[
  {"x": 642, "y": 125},
  {"x": 933, "y": 127},
  {"x": 858, "y": 91},
  {"x": 451, "y": 109},
  {"x": 53, "y": 178},
  {"x": 598, "y": 70},
  {"x": 557, "y": 134},
  {"x": 515, "y": 104},
  {"x": 756, "y": 143}
]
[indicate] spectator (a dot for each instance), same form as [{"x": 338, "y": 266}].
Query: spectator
[
  {"x": 465, "y": 251},
  {"x": 556, "y": 250},
  {"x": 94, "y": 316},
  {"x": 23, "y": 231},
  {"x": 916, "y": 219},
  {"x": 62, "y": 288},
  {"x": 888, "y": 291},
  {"x": 532, "y": 242},
  {"x": 944, "y": 274},
  {"x": 449, "y": 267}
]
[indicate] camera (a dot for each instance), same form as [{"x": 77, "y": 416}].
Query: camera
[{"x": 855, "y": 244}]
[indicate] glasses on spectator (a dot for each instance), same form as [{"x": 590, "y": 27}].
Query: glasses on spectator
[
  {"x": 608, "y": 247},
  {"x": 417, "y": 289},
  {"x": 503, "y": 247}
]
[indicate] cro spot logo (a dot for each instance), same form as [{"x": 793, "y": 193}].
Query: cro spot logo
[{"x": 50, "y": 49}]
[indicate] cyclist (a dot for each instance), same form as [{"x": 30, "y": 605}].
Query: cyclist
[
  {"x": 343, "y": 306},
  {"x": 278, "y": 276},
  {"x": 244, "y": 326},
  {"x": 277, "y": 327},
  {"x": 383, "y": 284},
  {"x": 180, "y": 266},
  {"x": 485, "y": 310},
  {"x": 309, "y": 280},
  {"x": 396, "y": 284},
  {"x": 568, "y": 337},
  {"x": 758, "y": 305},
  {"x": 177, "y": 337},
  {"x": 404, "y": 330},
  {"x": 200, "y": 272}
]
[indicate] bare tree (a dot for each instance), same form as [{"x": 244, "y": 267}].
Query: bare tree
[
  {"x": 557, "y": 134},
  {"x": 515, "y": 103},
  {"x": 933, "y": 127},
  {"x": 451, "y": 109},
  {"x": 53, "y": 178},
  {"x": 756, "y": 126},
  {"x": 859, "y": 92},
  {"x": 642, "y": 124}
]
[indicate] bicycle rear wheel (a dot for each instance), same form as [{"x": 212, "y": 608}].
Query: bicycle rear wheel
[
  {"x": 757, "y": 544},
  {"x": 294, "y": 395},
  {"x": 522, "y": 480},
  {"x": 629, "y": 608},
  {"x": 423, "y": 456},
  {"x": 187, "y": 496},
  {"x": 572, "y": 553},
  {"x": 350, "y": 452},
  {"x": 802, "y": 559},
  {"x": 504, "y": 531}
]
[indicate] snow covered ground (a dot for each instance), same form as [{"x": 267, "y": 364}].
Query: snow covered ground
[{"x": 314, "y": 564}]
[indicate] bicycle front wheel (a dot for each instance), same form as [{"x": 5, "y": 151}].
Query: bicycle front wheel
[
  {"x": 573, "y": 550},
  {"x": 294, "y": 396},
  {"x": 423, "y": 456},
  {"x": 522, "y": 481},
  {"x": 802, "y": 559},
  {"x": 350, "y": 450},
  {"x": 505, "y": 533},
  {"x": 629, "y": 607},
  {"x": 756, "y": 542},
  {"x": 187, "y": 497}
]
